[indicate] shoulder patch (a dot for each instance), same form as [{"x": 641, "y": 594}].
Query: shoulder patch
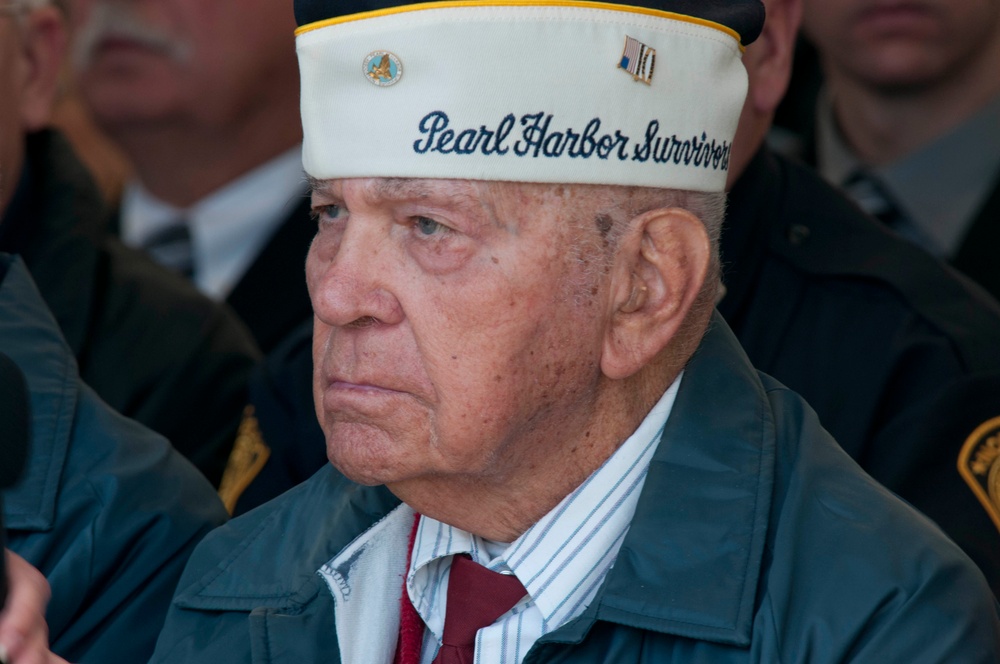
[
  {"x": 979, "y": 464},
  {"x": 247, "y": 459}
]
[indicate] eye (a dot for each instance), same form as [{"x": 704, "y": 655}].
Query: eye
[
  {"x": 427, "y": 226},
  {"x": 326, "y": 213}
]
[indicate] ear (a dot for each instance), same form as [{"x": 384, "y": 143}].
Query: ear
[
  {"x": 658, "y": 273},
  {"x": 769, "y": 59},
  {"x": 43, "y": 45},
  {"x": 768, "y": 62}
]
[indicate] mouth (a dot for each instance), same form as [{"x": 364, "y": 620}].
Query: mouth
[
  {"x": 123, "y": 43},
  {"x": 360, "y": 388},
  {"x": 892, "y": 17},
  {"x": 342, "y": 395}
]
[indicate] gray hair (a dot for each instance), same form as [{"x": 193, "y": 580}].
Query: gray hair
[{"x": 611, "y": 208}]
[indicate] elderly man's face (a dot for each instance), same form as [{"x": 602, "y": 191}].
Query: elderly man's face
[
  {"x": 458, "y": 325},
  {"x": 207, "y": 60}
]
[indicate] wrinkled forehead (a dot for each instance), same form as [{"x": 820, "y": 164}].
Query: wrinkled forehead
[
  {"x": 474, "y": 199},
  {"x": 390, "y": 189},
  {"x": 484, "y": 192},
  {"x": 507, "y": 204}
]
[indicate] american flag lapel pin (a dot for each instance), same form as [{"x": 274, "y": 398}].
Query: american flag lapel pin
[{"x": 638, "y": 60}]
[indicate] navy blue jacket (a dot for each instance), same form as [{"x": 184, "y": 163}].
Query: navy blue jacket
[
  {"x": 105, "y": 508},
  {"x": 755, "y": 539}
]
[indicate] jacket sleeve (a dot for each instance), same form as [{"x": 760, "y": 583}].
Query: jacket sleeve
[
  {"x": 857, "y": 575},
  {"x": 130, "y": 511},
  {"x": 947, "y": 619},
  {"x": 918, "y": 455}
]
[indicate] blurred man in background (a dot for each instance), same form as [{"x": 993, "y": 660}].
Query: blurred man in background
[
  {"x": 202, "y": 97},
  {"x": 152, "y": 346},
  {"x": 896, "y": 354},
  {"x": 909, "y": 120}
]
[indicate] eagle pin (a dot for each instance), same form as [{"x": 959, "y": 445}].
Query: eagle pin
[{"x": 382, "y": 68}]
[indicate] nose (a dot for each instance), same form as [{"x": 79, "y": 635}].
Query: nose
[{"x": 349, "y": 274}]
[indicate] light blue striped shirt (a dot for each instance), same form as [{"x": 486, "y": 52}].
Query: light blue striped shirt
[{"x": 561, "y": 560}]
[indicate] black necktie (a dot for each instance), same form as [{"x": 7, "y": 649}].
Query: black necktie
[
  {"x": 171, "y": 247},
  {"x": 872, "y": 196}
]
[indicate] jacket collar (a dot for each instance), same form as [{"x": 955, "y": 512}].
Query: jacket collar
[
  {"x": 689, "y": 565},
  {"x": 691, "y": 561},
  {"x": 30, "y": 336},
  {"x": 262, "y": 566}
]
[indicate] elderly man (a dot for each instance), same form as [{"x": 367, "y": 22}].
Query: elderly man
[
  {"x": 905, "y": 377},
  {"x": 202, "y": 97},
  {"x": 512, "y": 279},
  {"x": 152, "y": 346}
]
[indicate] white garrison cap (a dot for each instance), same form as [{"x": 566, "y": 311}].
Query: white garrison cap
[{"x": 529, "y": 91}]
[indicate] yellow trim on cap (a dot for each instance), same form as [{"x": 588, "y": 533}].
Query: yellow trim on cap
[{"x": 309, "y": 27}]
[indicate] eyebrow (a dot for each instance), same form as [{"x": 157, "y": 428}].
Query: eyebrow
[
  {"x": 316, "y": 186},
  {"x": 400, "y": 188},
  {"x": 409, "y": 189}
]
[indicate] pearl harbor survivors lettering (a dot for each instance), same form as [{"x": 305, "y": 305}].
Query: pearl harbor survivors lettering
[{"x": 537, "y": 135}]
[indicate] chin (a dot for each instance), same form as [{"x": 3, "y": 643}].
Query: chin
[
  {"x": 125, "y": 100},
  {"x": 365, "y": 455}
]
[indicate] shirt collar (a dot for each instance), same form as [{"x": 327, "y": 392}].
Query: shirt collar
[
  {"x": 941, "y": 186},
  {"x": 561, "y": 559},
  {"x": 229, "y": 226}
]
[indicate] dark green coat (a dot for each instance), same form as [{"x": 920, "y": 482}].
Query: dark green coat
[
  {"x": 105, "y": 508},
  {"x": 756, "y": 539},
  {"x": 145, "y": 340}
]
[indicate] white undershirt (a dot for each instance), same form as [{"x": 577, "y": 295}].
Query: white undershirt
[{"x": 229, "y": 227}]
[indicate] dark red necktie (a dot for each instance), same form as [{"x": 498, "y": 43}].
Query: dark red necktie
[{"x": 476, "y": 598}]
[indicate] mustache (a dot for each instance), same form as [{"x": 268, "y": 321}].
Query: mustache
[{"x": 113, "y": 20}]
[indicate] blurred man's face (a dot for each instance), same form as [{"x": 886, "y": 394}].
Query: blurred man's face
[
  {"x": 207, "y": 61},
  {"x": 458, "y": 326},
  {"x": 902, "y": 45}
]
